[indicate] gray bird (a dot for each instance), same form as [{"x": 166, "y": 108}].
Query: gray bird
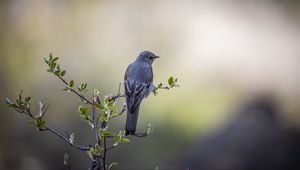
[{"x": 138, "y": 84}]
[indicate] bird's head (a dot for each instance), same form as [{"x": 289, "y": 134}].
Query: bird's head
[{"x": 147, "y": 56}]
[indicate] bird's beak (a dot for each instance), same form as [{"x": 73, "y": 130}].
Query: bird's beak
[{"x": 155, "y": 57}]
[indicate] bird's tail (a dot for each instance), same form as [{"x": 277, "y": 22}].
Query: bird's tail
[{"x": 131, "y": 121}]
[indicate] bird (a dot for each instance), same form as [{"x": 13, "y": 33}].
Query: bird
[{"x": 138, "y": 84}]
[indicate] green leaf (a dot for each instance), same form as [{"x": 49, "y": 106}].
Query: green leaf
[
  {"x": 116, "y": 139},
  {"x": 10, "y": 103},
  {"x": 171, "y": 81},
  {"x": 82, "y": 88},
  {"x": 27, "y": 106},
  {"x": 54, "y": 59},
  {"x": 84, "y": 112},
  {"x": 58, "y": 67},
  {"x": 125, "y": 140},
  {"x": 84, "y": 85},
  {"x": 96, "y": 150},
  {"x": 53, "y": 65},
  {"x": 106, "y": 99},
  {"x": 71, "y": 84},
  {"x": 19, "y": 102},
  {"x": 46, "y": 61},
  {"x": 96, "y": 92},
  {"x": 40, "y": 123},
  {"x": 57, "y": 72},
  {"x": 27, "y": 99},
  {"x": 115, "y": 114},
  {"x": 121, "y": 133},
  {"x": 155, "y": 92},
  {"x": 50, "y": 56},
  {"x": 99, "y": 106},
  {"x": 111, "y": 106},
  {"x": 66, "y": 88},
  {"x": 104, "y": 117},
  {"x": 66, "y": 158},
  {"x": 104, "y": 133},
  {"x": 62, "y": 73}
]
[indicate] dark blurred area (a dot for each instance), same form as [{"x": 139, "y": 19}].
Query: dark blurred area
[
  {"x": 255, "y": 139},
  {"x": 237, "y": 63}
]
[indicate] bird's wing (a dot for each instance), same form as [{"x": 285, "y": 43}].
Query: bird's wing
[{"x": 135, "y": 92}]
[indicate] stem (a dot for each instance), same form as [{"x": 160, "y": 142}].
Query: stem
[
  {"x": 104, "y": 154},
  {"x": 99, "y": 162},
  {"x": 95, "y": 124},
  {"x": 74, "y": 91},
  {"x": 48, "y": 128},
  {"x": 112, "y": 146},
  {"x": 164, "y": 87},
  {"x": 121, "y": 112},
  {"x": 116, "y": 97},
  {"x": 145, "y": 134},
  {"x": 119, "y": 95}
]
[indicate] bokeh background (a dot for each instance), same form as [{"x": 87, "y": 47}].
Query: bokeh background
[{"x": 238, "y": 64}]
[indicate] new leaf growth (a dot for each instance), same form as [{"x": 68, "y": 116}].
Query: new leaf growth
[{"x": 96, "y": 112}]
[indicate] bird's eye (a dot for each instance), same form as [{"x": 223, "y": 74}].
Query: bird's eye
[{"x": 151, "y": 57}]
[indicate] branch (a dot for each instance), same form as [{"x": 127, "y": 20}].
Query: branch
[
  {"x": 119, "y": 95},
  {"x": 172, "y": 82},
  {"x": 144, "y": 134},
  {"x": 112, "y": 146},
  {"x": 74, "y": 91},
  {"x": 48, "y": 128},
  {"x": 95, "y": 124},
  {"x": 120, "y": 112},
  {"x": 104, "y": 154}
]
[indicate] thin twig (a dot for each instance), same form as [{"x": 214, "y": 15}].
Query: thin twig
[
  {"x": 95, "y": 128},
  {"x": 112, "y": 146},
  {"x": 104, "y": 154},
  {"x": 113, "y": 98},
  {"x": 95, "y": 121},
  {"x": 121, "y": 112},
  {"x": 163, "y": 87},
  {"x": 74, "y": 91},
  {"x": 145, "y": 134},
  {"x": 99, "y": 162},
  {"x": 83, "y": 148},
  {"x": 119, "y": 95},
  {"x": 103, "y": 125},
  {"x": 48, "y": 128},
  {"x": 43, "y": 113}
]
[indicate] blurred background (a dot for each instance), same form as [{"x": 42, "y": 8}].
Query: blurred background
[{"x": 238, "y": 64}]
